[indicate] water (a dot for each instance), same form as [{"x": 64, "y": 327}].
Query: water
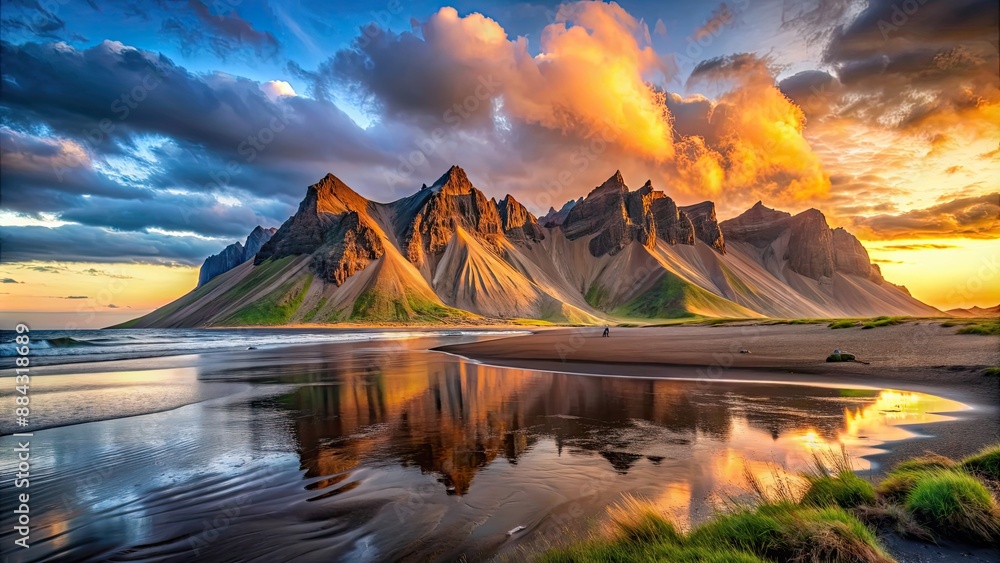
[
  {"x": 49, "y": 347},
  {"x": 383, "y": 450}
]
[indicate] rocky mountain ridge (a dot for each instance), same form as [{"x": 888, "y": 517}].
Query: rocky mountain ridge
[
  {"x": 234, "y": 254},
  {"x": 449, "y": 254}
]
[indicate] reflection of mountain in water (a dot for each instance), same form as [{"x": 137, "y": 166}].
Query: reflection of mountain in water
[{"x": 453, "y": 418}]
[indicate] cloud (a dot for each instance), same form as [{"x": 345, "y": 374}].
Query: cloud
[
  {"x": 275, "y": 89},
  {"x": 971, "y": 217},
  {"x": 721, "y": 17},
  {"x": 758, "y": 132},
  {"x": 917, "y": 247},
  {"x": 930, "y": 67},
  {"x": 106, "y": 274},
  {"x": 30, "y": 17},
  {"x": 587, "y": 96},
  {"x": 46, "y": 269},
  {"x": 112, "y": 306},
  {"x": 167, "y": 145},
  {"x": 223, "y": 34},
  {"x": 78, "y": 243},
  {"x": 9, "y": 280},
  {"x": 76, "y": 297}
]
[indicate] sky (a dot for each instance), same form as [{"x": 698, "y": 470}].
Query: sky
[{"x": 137, "y": 138}]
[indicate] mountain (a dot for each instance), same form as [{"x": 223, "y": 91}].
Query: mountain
[
  {"x": 449, "y": 254},
  {"x": 974, "y": 312},
  {"x": 234, "y": 254}
]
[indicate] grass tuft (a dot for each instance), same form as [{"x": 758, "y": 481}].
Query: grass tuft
[
  {"x": 883, "y": 321},
  {"x": 844, "y": 323},
  {"x": 787, "y": 532},
  {"x": 845, "y": 490},
  {"x": 897, "y": 484},
  {"x": 986, "y": 463},
  {"x": 992, "y": 372},
  {"x": 990, "y": 327},
  {"x": 954, "y": 504},
  {"x": 636, "y": 519}
]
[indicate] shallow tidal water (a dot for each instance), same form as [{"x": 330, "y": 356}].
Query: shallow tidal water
[{"x": 386, "y": 451}]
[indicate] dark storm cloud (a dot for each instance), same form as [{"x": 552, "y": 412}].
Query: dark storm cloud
[
  {"x": 907, "y": 64},
  {"x": 972, "y": 217},
  {"x": 181, "y": 212},
  {"x": 120, "y": 92},
  {"x": 401, "y": 76},
  {"x": 199, "y": 27},
  {"x": 77, "y": 243},
  {"x": 29, "y": 16}
]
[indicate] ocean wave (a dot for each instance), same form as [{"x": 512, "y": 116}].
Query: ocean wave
[{"x": 10, "y": 348}]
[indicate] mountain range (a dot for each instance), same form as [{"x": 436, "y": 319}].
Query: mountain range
[
  {"x": 449, "y": 254},
  {"x": 975, "y": 312}
]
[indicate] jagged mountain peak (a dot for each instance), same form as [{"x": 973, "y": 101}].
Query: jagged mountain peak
[
  {"x": 332, "y": 195},
  {"x": 555, "y": 218},
  {"x": 453, "y": 182},
  {"x": 612, "y": 185}
]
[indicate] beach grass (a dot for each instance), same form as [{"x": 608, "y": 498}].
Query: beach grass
[
  {"x": 770, "y": 532},
  {"x": 836, "y": 519},
  {"x": 992, "y": 371},
  {"x": 883, "y": 321},
  {"x": 845, "y": 490},
  {"x": 956, "y": 505},
  {"x": 988, "y": 327},
  {"x": 986, "y": 463}
]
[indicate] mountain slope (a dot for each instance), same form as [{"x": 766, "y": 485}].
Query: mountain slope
[{"x": 449, "y": 254}]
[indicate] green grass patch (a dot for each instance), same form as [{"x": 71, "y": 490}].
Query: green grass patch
[
  {"x": 372, "y": 306},
  {"x": 985, "y": 463},
  {"x": 789, "y": 532},
  {"x": 882, "y": 321},
  {"x": 771, "y": 532},
  {"x": 897, "y": 485},
  {"x": 665, "y": 300},
  {"x": 992, "y": 372},
  {"x": 925, "y": 463},
  {"x": 276, "y": 308},
  {"x": 954, "y": 504},
  {"x": 845, "y": 490},
  {"x": 595, "y": 296},
  {"x": 987, "y": 328},
  {"x": 843, "y": 323}
]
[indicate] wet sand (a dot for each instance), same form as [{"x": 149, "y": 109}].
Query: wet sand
[{"x": 919, "y": 356}]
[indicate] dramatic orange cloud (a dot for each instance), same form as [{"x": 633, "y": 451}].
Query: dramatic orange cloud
[{"x": 595, "y": 76}]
